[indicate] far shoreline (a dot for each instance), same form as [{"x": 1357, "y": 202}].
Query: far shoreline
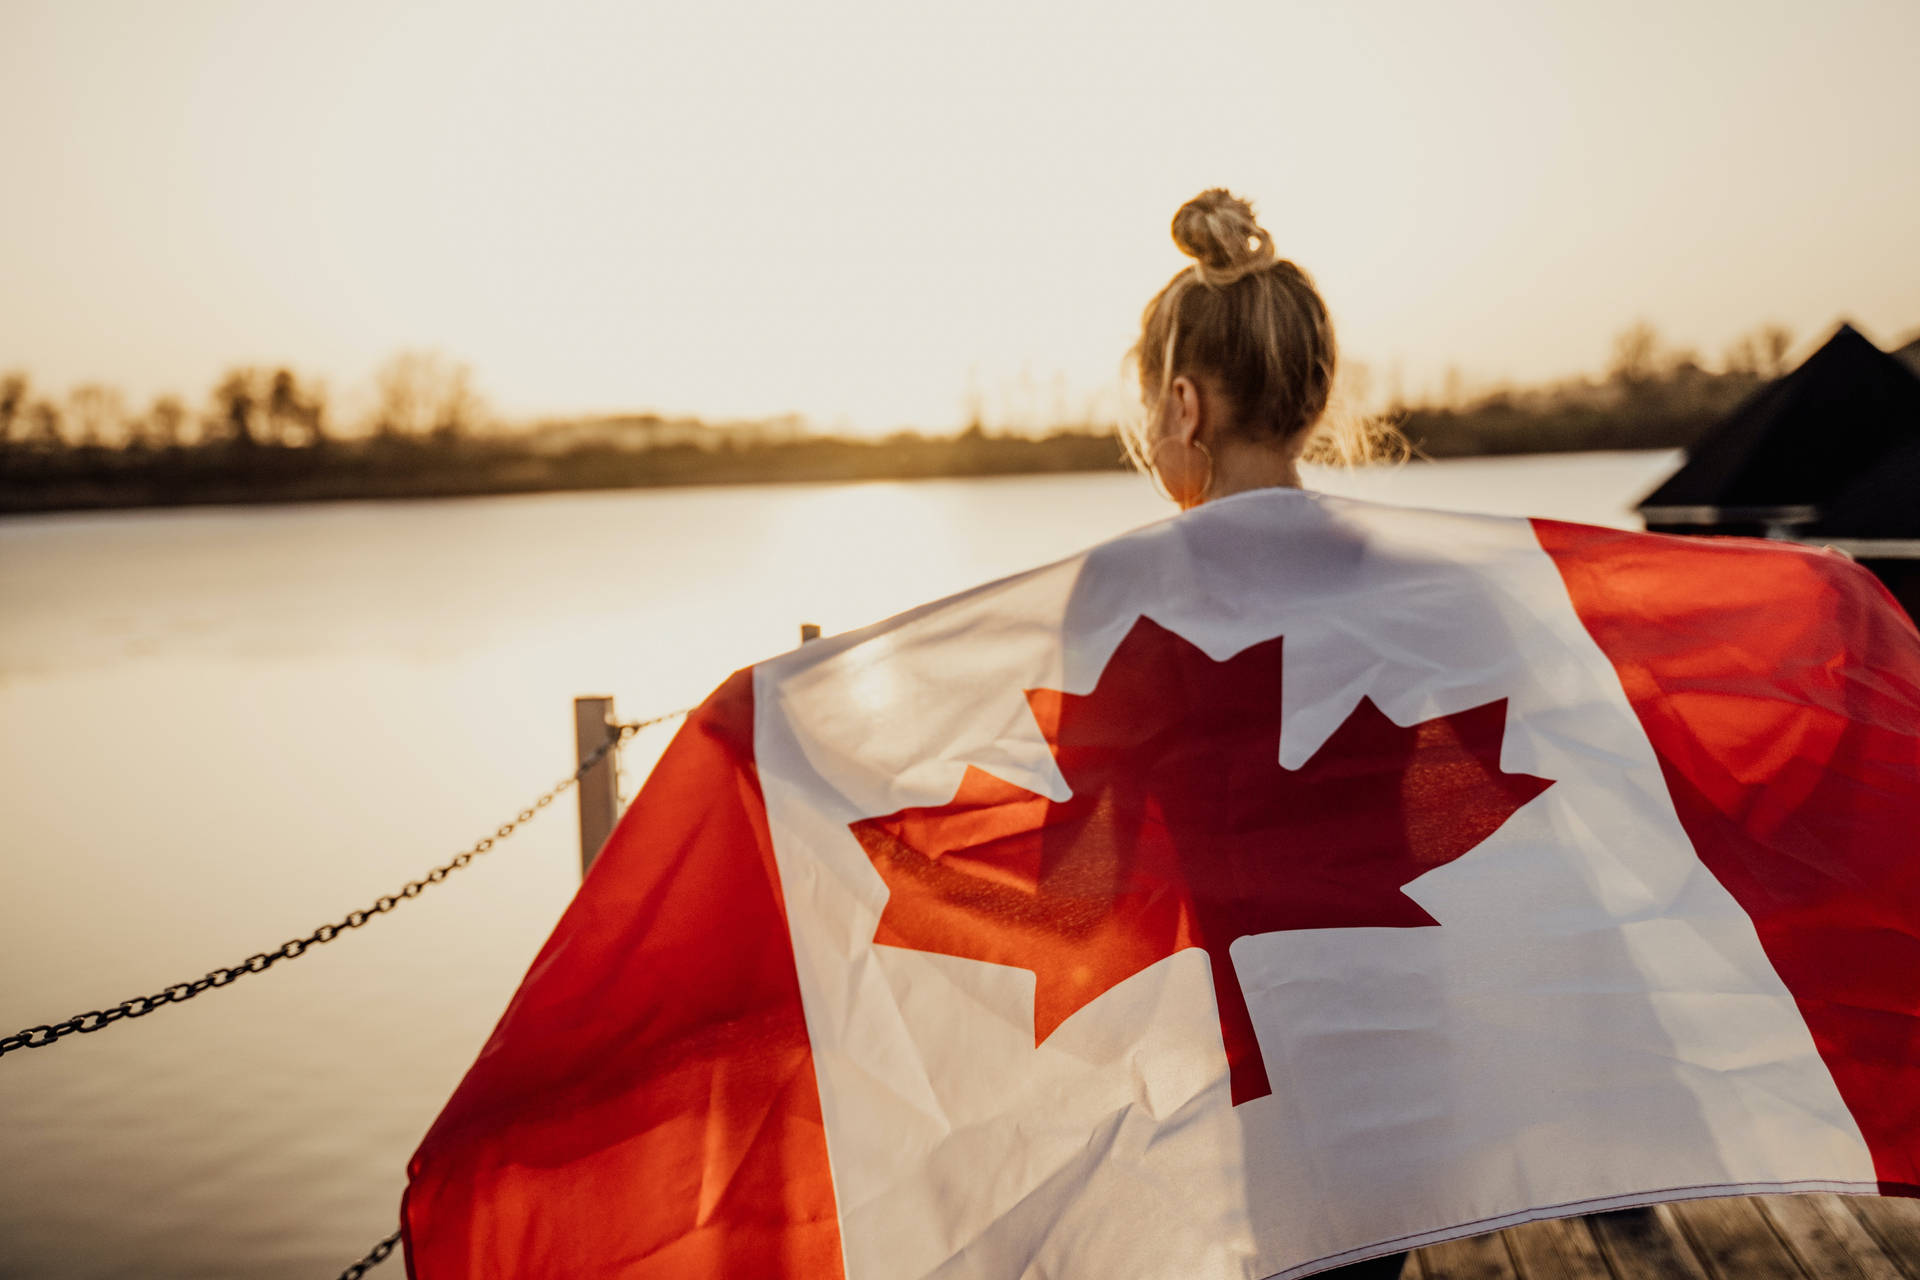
[
  {"x": 268, "y": 440},
  {"x": 211, "y": 501}
]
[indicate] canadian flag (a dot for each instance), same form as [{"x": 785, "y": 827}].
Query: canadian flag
[{"x": 1290, "y": 882}]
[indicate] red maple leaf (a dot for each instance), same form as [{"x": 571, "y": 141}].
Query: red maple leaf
[{"x": 1183, "y": 830}]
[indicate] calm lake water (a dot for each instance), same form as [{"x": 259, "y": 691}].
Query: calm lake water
[{"x": 224, "y": 727}]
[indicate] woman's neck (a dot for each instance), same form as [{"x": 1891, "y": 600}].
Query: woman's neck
[{"x": 1239, "y": 466}]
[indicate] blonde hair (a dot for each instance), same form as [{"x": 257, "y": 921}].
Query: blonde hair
[{"x": 1253, "y": 325}]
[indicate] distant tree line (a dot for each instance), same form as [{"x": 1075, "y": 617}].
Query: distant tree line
[
  {"x": 1652, "y": 396},
  {"x": 269, "y": 435},
  {"x": 418, "y": 395},
  {"x": 262, "y": 434}
]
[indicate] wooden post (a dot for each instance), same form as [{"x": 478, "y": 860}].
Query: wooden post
[
  {"x": 809, "y": 631},
  {"x": 599, "y": 786}
]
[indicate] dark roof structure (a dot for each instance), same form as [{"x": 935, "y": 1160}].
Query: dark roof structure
[
  {"x": 1831, "y": 450},
  {"x": 1911, "y": 353}
]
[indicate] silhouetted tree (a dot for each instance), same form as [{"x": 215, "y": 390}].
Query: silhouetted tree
[
  {"x": 236, "y": 408},
  {"x": 13, "y": 407},
  {"x": 1742, "y": 356},
  {"x": 294, "y": 416},
  {"x": 1775, "y": 341},
  {"x": 166, "y": 418},
  {"x": 159, "y": 427},
  {"x": 1636, "y": 355},
  {"x": 97, "y": 414},
  {"x": 422, "y": 394},
  {"x": 459, "y": 408},
  {"x": 283, "y": 406},
  {"x": 43, "y": 427},
  {"x": 1761, "y": 352}
]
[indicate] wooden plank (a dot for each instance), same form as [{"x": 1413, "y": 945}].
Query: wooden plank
[
  {"x": 599, "y": 787},
  {"x": 1828, "y": 1240},
  {"x": 1894, "y": 1222},
  {"x": 1556, "y": 1249},
  {"x": 1645, "y": 1244},
  {"x": 1475, "y": 1258},
  {"x": 1736, "y": 1240}
]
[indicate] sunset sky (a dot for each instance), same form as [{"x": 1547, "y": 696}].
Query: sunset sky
[{"x": 858, "y": 211}]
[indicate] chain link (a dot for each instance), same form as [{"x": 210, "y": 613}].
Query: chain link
[
  {"x": 141, "y": 1006},
  {"x": 375, "y": 1256}
]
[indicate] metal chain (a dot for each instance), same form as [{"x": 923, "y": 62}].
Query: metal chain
[
  {"x": 141, "y": 1006},
  {"x": 375, "y": 1256}
]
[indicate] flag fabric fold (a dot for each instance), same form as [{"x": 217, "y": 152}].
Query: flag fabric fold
[
  {"x": 1290, "y": 882},
  {"x": 646, "y": 1105}
]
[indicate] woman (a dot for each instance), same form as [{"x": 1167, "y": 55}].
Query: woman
[{"x": 1236, "y": 358}]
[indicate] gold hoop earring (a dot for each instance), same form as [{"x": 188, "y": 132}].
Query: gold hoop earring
[{"x": 1159, "y": 482}]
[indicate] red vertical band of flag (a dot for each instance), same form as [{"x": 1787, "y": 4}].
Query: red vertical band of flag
[
  {"x": 647, "y": 1105},
  {"x": 1780, "y": 688}
]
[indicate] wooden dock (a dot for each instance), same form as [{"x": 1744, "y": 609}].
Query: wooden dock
[{"x": 1805, "y": 1237}]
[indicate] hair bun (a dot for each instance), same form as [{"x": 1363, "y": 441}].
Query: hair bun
[{"x": 1218, "y": 231}]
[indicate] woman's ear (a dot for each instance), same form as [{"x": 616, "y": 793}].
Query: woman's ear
[{"x": 1187, "y": 407}]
